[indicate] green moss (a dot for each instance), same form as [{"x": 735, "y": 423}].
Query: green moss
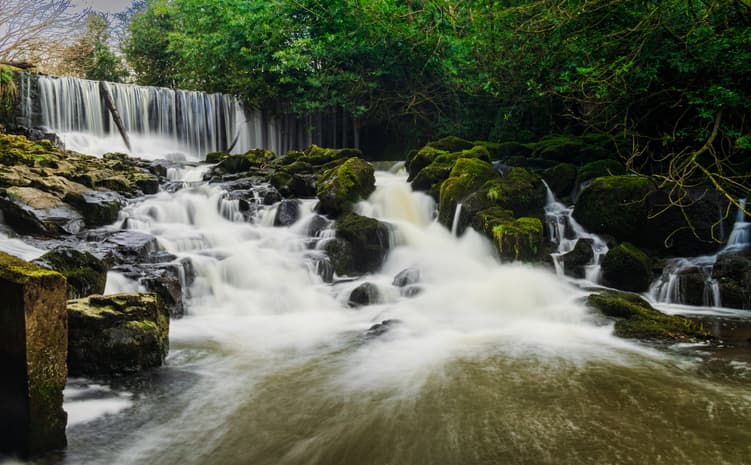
[
  {"x": 339, "y": 188},
  {"x": 486, "y": 220},
  {"x": 600, "y": 168},
  {"x": 519, "y": 239},
  {"x": 451, "y": 144},
  {"x": 637, "y": 319},
  {"x": 628, "y": 268},
  {"x": 215, "y": 157},
  {"x": 419, "y": 159},
  {"x": 16, "y": 270}
]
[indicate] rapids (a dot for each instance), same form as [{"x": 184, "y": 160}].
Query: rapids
[{"x": 489, "y": 363}]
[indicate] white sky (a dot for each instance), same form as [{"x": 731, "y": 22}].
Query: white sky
[{"x": 107, "y": 6}]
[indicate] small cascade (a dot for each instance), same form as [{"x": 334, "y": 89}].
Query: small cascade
[
  {"x": 565, "y": 232},
  {"x": 689, "y": 281},
  {"x": 455, "y": 222}
]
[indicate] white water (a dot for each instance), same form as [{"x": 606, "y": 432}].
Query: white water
[
  {"x": 671, "y": 286},
  {"x": 565, "y": 232}
]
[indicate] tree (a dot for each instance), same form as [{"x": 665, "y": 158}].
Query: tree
[
  {"x": 90, "y": 56},
  {"x": 146, "y": 45}
]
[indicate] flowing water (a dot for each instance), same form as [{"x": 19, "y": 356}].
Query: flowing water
[{"x": 487, "y": 364}]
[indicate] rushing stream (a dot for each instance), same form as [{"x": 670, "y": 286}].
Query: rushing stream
[{"x": 486, "y": 364}]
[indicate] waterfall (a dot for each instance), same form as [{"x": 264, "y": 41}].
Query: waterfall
[
  {"x": 455, "y": 221},
  {"x": 689, "y": 280},
  {"x": 565, "y": 232}
]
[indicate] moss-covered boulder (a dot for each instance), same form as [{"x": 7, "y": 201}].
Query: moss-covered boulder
[
  {"x": 618, "y": 206},
  {"x": 466, "y": 177},
  {"x": 600, "y": 168},
  {"x": 33, "y": 346},
  {"x": 732, "y": 271},
  {"x": 430, "y": 177},
  {"x": 627, "y": 267},
  {"x": 360, "y": 245},
  {"x": 421, "y": 158},
  {"x": 339, "y": 188},
  {"x": 636, "y": 319},
  {"x": 519, "y": 240},
  {"x": 116, "y": 334},
  {"x": 561, "y": 179},
  {"x": 574, "y": 149},
  {"x": 452, "y": 144},
  {"x": 486, "y": 220},
  {"x": 85, "y": 274}
]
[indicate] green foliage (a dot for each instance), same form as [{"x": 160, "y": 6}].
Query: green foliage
[{"x": 8, "y": 91}]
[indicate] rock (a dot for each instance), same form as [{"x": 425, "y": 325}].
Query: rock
[
  {"x": 364, "y": 294},
  {"x": 287, "y": 213},
  {"x": 170, "y": 281},
  {"x": 339, "y": 188},
  {"x": 636, "y": 319},
  {"x": 575, "y": 261},
  {"x": 99, "y": 208},
  {"x": 30, "y": 210},
  {"x": 406, "y": 277},
  {"x": 317, "y": 225},
  {"x": 733, "y": 274},
  {"x": 430, "y": 177},
  {"x": 293, "y": 185},
  {"x": 360, "y": 245},
  {"x": 118, "y": 333},
  {"x": 124, "y": 247},
  {"x": 600, "y": 168},
  {"x": 467, "y": 176},
  {"x": 33, "y": 347},
  {"x": 561, "y": 179},
  {"x": 452, "y": 144},
  {"x": 631, "y": 209},
  {"x": 381, "y": 328},
  {"x": 574, "y": 149},
  {"x": 626, "y": 267},
  {"x": 85, "y": 274},
  {"x": 519, "y": 240}
]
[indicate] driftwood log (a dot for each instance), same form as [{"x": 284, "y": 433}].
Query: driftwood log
[{"x": 109, "y": 102}]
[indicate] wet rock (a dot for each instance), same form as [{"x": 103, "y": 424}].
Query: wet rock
[
  {"x": 318, "y": 224},
  {"x": 519, "y": 240},
  {"x": 117, "y": 333},
  {"x": 30, "y": 210},
  {"x": 125, "y": 247},
  {"x": 85, "y": 274},
  {"x": 575, "y": 261},
  {"x": 99, "y": 208},
  {"x": 364, "y": 294},
  {"x": 33, "y": 347},
  {"x": 339, "y": 188},
  {"x": 287, "y": 213},
  {"x": 561, "y": 179},
  {"x": 733, "y": 274},
  {"x": 381, "y": 328},
  {"x": 360, "y": 246},
  {"x": 635, "y": 318},
  {"x": 170, "y": 281},
  {"x": 626, "y": 267},
  {"x": 406, "y": 277}
]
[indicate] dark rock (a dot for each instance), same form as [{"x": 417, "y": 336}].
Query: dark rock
[
  {"x": 575, "y": 261},
  {"x": 287, "y": 213},
  {"x": 628, "y": 268},
  {"x": 467, "y": 176},
  {"x": 733, "y": 274},
  {"x": 364, "y": 294},
  {"x": 635, "y": 318},
  {"x": 85, "y": 274},
  {"x": 30, "y": 210},
  {"x": 317, "y": 225},
  {"x": 406, "y": 277},
  {"x": 360, "y": 246},
  {"x": 600, "y": 168},
  {"x": 125, "y": 247},
  {"x": 33, "y": 347},
  {"x": 561, "y": 179},
  {"x": 170, "y": 281},
  {"x": 99, "y": 208},
  {"x": 381, "y": 328},
  {"x": 339, "y": 188},
  {"x": 118, "y": 333}
]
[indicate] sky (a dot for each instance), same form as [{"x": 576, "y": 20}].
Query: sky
[{"x": 106, "y": 6}]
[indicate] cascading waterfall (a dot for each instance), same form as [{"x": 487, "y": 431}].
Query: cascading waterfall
[
  {"x": 565, "y": 232},
  {"x": 680, "y": 276}
]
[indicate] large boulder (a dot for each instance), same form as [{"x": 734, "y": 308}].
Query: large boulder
[
  {"x": 170, "y": 281},
  {"x": 364, "y": 294},
  {"x": 428, "y": 178},
  {"x": 360, "y": 245},
  {"x": 732, "y": 271},
  {"x": 85, "y": 273},
  {"x": 339, "y": 188},
  {"x": 636, "y": 319},
  {"x": 467, "y": 176},
  {"x": 561, "y": 179},
  {"x": 627, "y": 267},
  {"x": 632, "y": 209},
  {"x": 287, "y": 213},
  {"x": 33, "y": 346},
  {"x": 519, "y": 240},
  {"x": 117, "y": 333},
  {"x": 600, "y": 168},
  {"x": 575, "y": 261},
  {"x": 30, "y": 210}
]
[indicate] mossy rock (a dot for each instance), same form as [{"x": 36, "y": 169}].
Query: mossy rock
[
  {"x": 339, "y": 188},
  {"x": 466, "y": 177},
  {"x": 215, "y": 157},
  {"x": 117, "y": 333},
  {"x": 85, "y": 273},
  {"x": 419, "y": 159},
  {"x": 360, "y": 246},
  {"x": 628, "y": 268},
  {"x": 561, "y": 179},
  {"x": 732, "y": 271},
  {"x": 574, "y": 149},
  {"x": 636, "y": 319},
  {"x": 293, "y": 185},
  {"x": 451, "y": 144},
  {"x": 486, "y": 220},
  {"x": 509, "y": 149},
  {"x": 616, "y": 205},
  {"x": 574, "y": 262},
  {"x": 519, "y": 240},
  {"x": 317, "y": 156},
  {"x": 600, "y": 168},
  {"x": 531, "y": 163}
]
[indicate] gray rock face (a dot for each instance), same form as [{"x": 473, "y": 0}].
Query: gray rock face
[
  {"x": 287, "y": 213},
  {"x": 364, "y": 294}
]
